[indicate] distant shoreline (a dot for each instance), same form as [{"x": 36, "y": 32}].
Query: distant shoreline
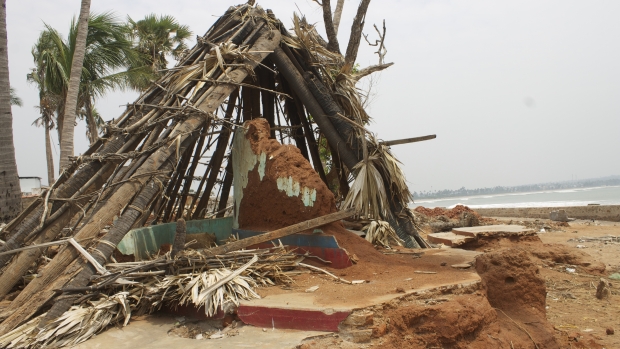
[
  {"x": 609, "y": 213},
  {"x": 602, "y": 195},
  {"x": 517, "y": 193},
  {"x": 607, "y": 181}
]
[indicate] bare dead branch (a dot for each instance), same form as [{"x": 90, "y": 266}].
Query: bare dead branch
[
  {"x": 355, "y": 37},
  {"x": 382, "y": 51},
  {"x": 371, "y": 69}
]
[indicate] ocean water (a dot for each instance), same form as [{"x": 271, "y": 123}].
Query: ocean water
[{"x": 551, "y": 198}]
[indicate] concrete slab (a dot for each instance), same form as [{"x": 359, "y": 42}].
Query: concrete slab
[
  {"x": 152, "y": 332},
  {"x": 448, "y": 239},
  {"x": 292, "y": 308},
  {"x": 486, "y": 230},
  {"x": 302, "y": 307}
]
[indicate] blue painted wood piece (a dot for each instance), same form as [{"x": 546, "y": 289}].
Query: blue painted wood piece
[
  {"x": 146, "y": 241},
  {"x": 142, "y": 242}
]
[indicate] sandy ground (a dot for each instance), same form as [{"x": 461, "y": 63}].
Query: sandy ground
[{"x": 572, "y": 306}]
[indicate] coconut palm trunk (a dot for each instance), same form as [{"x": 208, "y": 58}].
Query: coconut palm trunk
[
  {"x": 48, "y": 155},
  {"x": 66, "y": 142},
  {"x": 93, "y": 131},
  {"x": 10, "y": 191}
]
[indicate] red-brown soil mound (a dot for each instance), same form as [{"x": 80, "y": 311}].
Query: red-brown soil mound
[
  {"x": 465, "y": 322},
  {"x": 508, "y": 313},
  {"x": 512, "y": 280},
  {"x": 515, "y": 288},
  {"x": 264, "y": 206},
  {"x": 555, "y": 253},
  {"x": 454, "y": 213}
]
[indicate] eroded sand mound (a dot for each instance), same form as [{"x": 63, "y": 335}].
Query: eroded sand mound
[
  {"x": 465, "y": 322},
  {"x": 512, "y": 280},
  {"x": 553, "y": 253},
  {"x": 508, "y": 311},
  {"x": 454, "y": 213}
]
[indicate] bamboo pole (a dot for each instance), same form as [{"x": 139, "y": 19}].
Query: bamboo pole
[
  {"x": 216, "y": 160},
  {"x": 189, "y": 176},
  {"x": 20, "y": 265},
  {"x": 225, "y": 193},
  {"x": 105, "y": 246}
]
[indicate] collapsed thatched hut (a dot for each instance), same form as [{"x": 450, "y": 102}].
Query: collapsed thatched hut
[{"x": 145, "y": 167}]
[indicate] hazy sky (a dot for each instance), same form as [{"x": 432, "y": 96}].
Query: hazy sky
[{"x": 517, "y": 92}]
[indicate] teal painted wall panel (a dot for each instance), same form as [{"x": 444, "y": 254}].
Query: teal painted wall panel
[{"x": 142, "y": 242}]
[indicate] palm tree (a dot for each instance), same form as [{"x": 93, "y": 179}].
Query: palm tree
[
  {"x": 158, "y": 37},
  {"x": 10, "y": 191},
  {"x": 73, "y": 86},
  {"x": 110, "y": 62},
  {"x": 47, "y": 121},
  {"x": 48, "y": 102}
]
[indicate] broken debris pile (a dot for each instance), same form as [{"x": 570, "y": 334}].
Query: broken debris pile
[
  {"x": 136, "y": 288},
  {"x": 440, "y": 219}
]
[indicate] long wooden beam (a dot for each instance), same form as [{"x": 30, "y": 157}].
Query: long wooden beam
[
  {"x": 276, "y": 234},
  {"x": 408, "y": 140}
]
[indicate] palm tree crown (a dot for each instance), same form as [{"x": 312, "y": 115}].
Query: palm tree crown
[
  {"x": 110, "y": 62},
  {"x": 159, "y": 36}
]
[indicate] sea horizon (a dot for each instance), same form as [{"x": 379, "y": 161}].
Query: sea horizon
[{"x": 604, "y": 195}]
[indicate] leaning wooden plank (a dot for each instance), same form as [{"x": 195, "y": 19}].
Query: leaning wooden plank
[
  {"x": 408, "y": 140},
  {"x": 276, "y": 234},
  {"x": 40, "y": 290}
]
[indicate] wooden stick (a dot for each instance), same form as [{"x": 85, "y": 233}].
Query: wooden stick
[
  {"x": 88, "y": 257},
  {"x": 408, "y": 140},
  {"x": 324, "y": 271},
  {"x": 276, "y": 234},
  {"x": 47, "y": 244}
]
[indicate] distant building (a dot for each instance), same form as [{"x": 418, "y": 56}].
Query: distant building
[{"x": 30, "y": 185}]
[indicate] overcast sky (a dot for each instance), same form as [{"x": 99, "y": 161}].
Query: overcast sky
[{"x": 517, "y": 92}]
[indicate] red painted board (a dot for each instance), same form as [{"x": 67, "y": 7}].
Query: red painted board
[
  {"x": 193, "y": 312},
  {"x": 311, "y": 320}
]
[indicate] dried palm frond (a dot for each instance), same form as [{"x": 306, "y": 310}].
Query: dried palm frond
[
  {"x": 75, "y": 326},
  {"x": 216, "y": 283},
  {"x": 367, "y": 193},
  {"x": 393, "y": 173},
  {"x": 381, "y": 233},
  {"x": 211, "y": 289},
  {"x": 307, "y": 38}
]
